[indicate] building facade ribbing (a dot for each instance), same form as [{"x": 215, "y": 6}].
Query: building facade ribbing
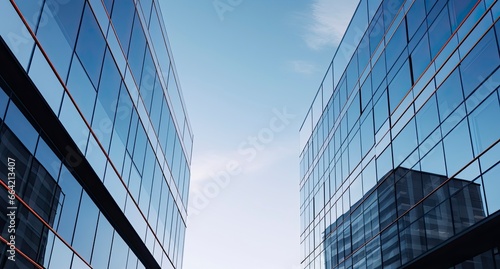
[
  {"x": 94, "y": 137},
  {"x": 413, "y": 86}
]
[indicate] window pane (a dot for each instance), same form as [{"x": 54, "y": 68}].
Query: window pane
[
  {"x": 396, "y": 45},
  {"x": 122, "y": 18},
  {"x": 31, "y": 11},
  {"x": 399, "y": 86},
  {"x": 102, "y": 244},
  {"x": 404, "y": 143},
  {"x": 380, "y": 111},
  {"x": 85, "y": 227},
  {"x": 20, "y": 45},
  {"x": 449, "y": 94},
  {"x": 427, "y": 119},
  {"x": 491, "y": 187},
  {"x": 81, "y": 89},
  {"x": 484, "y": 124},
  {"x": 137, "y": 50},
  {"x": 90, "y": 47},
  {"x": 439, "y": 32},
  {"x": 457, "y": 148},
  {"x": 61, "y": 255},
  {"x": 74, "y": 123},
  {"x": 420, "y": 57},
  {"x": 67, "y": 16},
  {"x": 415, "y": 17},
  {"x": 47, "y": 83},
  {"x": 71, "y": 191},
  {"x": 21, "y": 127},
  {"x": 56, "y": 42},
  {"x": 480, "y": 62}
]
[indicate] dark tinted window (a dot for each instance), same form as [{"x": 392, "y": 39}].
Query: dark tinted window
[{"x": 122, "y": 18}]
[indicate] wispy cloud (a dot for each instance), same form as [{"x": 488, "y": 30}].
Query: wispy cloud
[
  {"x": 208, "y": 166},
  {"x": 328, "y": 20},
  {"x": 302, "y": 67}
]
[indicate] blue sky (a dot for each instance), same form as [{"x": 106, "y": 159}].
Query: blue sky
[{"x": 249, "y": 71}]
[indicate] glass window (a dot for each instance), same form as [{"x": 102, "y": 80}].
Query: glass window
[
  {"x": 433, "y": 162},
  {"x": 396, "y": 45},
  {"x": 109, "y": 85},
  {"x": 484, "y": 124},
  {"x": 352, "y": 73},
  {"x": 420, "y": 57},
  {"x": 58, "y": 39},
  {"x": 457, "y": 147},
  {"x": 480, "y": 62},
  {"x": 458, "y": 11},
  {"x": 438, "y": 224},
  {"x": 61, "y": 255},
  {"x": 379, "y": 71},
  {"x": 81, "y": 89},
  {"x": 21, "y": 127},
  {"x": 160, "y": 48},
  {"x": 491, "y": 187},
  {"x": 353, "y": 113},
  {"x": 427, "y": 119},
  {"x": 404, "y": 143},
  {"x": 399, "y": 86},
  {"x": 140, "y": 147},
  {"x": 366, "y": 92},
  {"x": 439, "y": 32},
  {"x": 91, "y": 46},
  {"x": 156, "y": 106},
  {"x": 123, "y": 114},
  {"x": 31, "y": 11},
  {"x": 74, "y": 123},
  {"x": 148, "y": 81},
  {"x": 67, "y": 15},
  {"x": 118, "y": 250},
  {"x": 132, "y": 260},
  {"x": 390, "y": 247},
  {"x": 96, "y": 157},
  {"x": 122, "y": 18},
  {"x": 20, "y": 44},
  {"x": 380, "y": 111},
  {"x": 415, "y": 17},
  {"x": 85, "y": 227},
  {"x": 449, "y": 94},
  {"x": 47, "y": 158},
  {"x": 109, "y": 5},
  {"x": 45, "y": 80},
  {"x": 354, "y": 151},
  {"x": 137, "y": 49},
  {"x": 115, "y": 187},
  {"x": 384, "y": 163},
  {"x": 376, "y": 31},
  {"x": 102, "y": 244},
  {"x": 71, "y": 191}
]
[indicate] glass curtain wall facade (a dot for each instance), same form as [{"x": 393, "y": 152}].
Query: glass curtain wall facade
[
  {"x": 94, "y": 134},
  {"x": 411, "y": 93}
]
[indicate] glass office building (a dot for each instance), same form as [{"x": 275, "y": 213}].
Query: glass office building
[
  {"x": 95, "y": 143},
  {"x": 400, "y": 149}
]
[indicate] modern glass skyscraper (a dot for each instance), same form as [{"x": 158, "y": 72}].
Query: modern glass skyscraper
[
  {"x": 95, "y": 144},
  {"x": 400, "y": 148}
]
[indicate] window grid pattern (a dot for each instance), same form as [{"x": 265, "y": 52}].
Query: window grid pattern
[
  {"x": 411, "y": 96},
  {"x": 100, "y": 73}
]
